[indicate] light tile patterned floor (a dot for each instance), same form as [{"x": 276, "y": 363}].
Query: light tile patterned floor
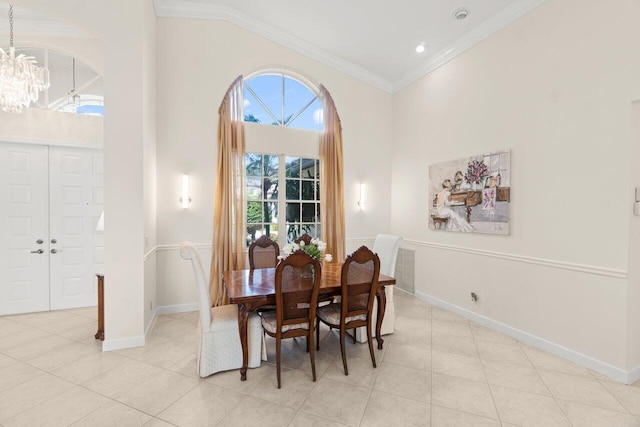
[{"x": 438, "y": 369}]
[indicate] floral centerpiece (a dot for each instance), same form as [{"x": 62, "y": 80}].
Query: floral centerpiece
[
  {"x": 315, "y": 249},
  {"x": 476, "y": 172}
]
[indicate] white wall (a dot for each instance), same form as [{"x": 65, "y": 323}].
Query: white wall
[
  {"x": 554, "y": 87},
  {"x": 52, "y": 127},
  {"x": 212, "y": 54},
  {"x": 633, "y": 298},
  {"x": 149, "y": 65}
]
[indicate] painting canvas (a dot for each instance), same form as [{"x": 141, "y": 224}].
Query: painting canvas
[{"x": 471, "y": 194}]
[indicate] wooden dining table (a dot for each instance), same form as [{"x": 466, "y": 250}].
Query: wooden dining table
[{"x": 252, "y": 289}]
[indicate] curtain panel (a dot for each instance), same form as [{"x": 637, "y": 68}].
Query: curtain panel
[
  {"x": 228, "y": 206},
  {"x": 331, "y": 179}
]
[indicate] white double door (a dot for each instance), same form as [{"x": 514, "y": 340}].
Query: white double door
[{"x": 51, "y": 199}]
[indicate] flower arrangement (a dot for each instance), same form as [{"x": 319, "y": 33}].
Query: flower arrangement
[
  {"x": 476, "y": 172},
  {"x": 314, "y": 249}
]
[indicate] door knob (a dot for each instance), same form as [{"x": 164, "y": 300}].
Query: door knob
[
  {"x": 39, "y": 251},
  {"x": 39, "y": 241},
  {"x": 54, "y": 251}
]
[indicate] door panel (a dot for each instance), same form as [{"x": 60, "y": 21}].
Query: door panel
[
  {"x": 76, "y": 192},
  {"x": 24, "y": 218}
]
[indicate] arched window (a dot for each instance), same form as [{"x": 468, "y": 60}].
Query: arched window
[
  {"x": 279, "y": 99},
  {"x": 283, "y": 171}
]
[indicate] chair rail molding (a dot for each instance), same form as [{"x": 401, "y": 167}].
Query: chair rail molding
[{"x": 583, "y": 268}]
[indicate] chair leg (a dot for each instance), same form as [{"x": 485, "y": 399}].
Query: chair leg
[
  {"x": 354, "y": 335},
  {"x": 307, "y": 340},
  {"x": 317, "y": 334},
  {"x": 343, "y": 332},
  {"x": 278, "y": 343},
  {"x": 370, "y": 341},
  {"x": 312, "y": 355}
]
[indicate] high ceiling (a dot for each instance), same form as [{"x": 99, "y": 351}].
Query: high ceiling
[{"x": 374, "y": 41}]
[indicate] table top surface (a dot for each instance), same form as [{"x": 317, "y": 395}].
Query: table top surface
[{"x": 243, "y": 285}]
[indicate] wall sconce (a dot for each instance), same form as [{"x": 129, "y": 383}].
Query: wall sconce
[
  {"x": 185, "y": 199},
  {"x": 362, "y": 202}
]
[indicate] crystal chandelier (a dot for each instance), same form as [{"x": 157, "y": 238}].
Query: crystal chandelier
[{"x": 21, "y": 79}]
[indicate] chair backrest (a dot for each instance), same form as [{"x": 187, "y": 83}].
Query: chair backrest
[
  {"x": 189, "y": 252},
  {"x": 296, "y": 296},
  {"x": 304, "y": 238},
  {"x": 359, "y": 282},
  {"x": 386, "y": 246},
  {"x": 263, "y": 253}
]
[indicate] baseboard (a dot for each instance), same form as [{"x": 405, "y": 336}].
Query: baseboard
[
  {"x": 589, "y": 362},
  {"x": 633, "y": 375},
  {"x": 122, "y": 343},
  {"x": 176, "y": 308},
  {"x": 169, "y": 309}
]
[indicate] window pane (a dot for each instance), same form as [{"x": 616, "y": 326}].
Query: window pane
[
  {"x": 270, "y": 212},
  {"x": 270, "y": 186},
  {"x": 309, "y": 212},
  {"x": 293, "y": 212},
  {"x": 293, "y": 189},
  {"x": 310, "y": 229},
  {"x": 268, "y": 87},
  {"x": 308, "y": 168},
  {"x": 254, "y": 189},
  {"x": 254, "y": 212},
  {"x": 296, "y": 96},
  {"x": 293, "y": 232},
  {"x": 253, "y": 111},
  {"x": 252, "y": 164},
  {"x": 307, "y": 190},
  {"x": 271, "y": 166},
  {"x": 293, "y": 167},
  {"x": 311, "y": 118},
  {"x": 317, "y": 190}
]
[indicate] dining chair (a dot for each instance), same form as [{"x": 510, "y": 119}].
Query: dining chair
[
  {"x": 263, "y": 253},
  {"x": 306, "y": 238},
  {"x": 219, "y": 346},
  {"x": 359, "y": 283},
  {"x": 386, "y": 246},
  {"x": 296, "y": 302}
]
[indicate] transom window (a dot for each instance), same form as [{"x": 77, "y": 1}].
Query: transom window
[
  {"x": 280, "y": 100},
  {"x": 300, "y": 199}
]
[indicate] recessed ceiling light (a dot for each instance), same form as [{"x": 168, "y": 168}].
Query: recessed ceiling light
[
  {"x": 420, "y": 48},
  {"x": 461, "y": 13}
]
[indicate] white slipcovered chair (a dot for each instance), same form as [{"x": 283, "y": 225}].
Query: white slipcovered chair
[
  {"x": 219, "y": 347},
  {"x": 386, "y": 246}
]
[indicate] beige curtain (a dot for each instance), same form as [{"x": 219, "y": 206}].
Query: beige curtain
[
  {"x": 331, "y": 179},
  {"x": 228, "y": 207}
]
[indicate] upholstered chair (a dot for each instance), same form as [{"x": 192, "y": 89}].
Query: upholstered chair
[
  {"x": 219, "y": 346},
  {"x": 386, "y": 246},
  {"x": 306, "y": 238}
]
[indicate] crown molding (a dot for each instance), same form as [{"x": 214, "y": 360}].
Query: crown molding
[
  {"x": 188, "y": 9},
  {"x": 200, "y": 10},
  {"x": 473, "y": 37}
]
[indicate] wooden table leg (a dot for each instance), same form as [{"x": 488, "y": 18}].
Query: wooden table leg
[
  {"x": 243, "y": 318},
  {"x": 100, "y": 334},
  {"x": 381, "y": 295}
]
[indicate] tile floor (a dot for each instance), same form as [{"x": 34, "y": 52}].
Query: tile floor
[{"x": 437, "y": 369}]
